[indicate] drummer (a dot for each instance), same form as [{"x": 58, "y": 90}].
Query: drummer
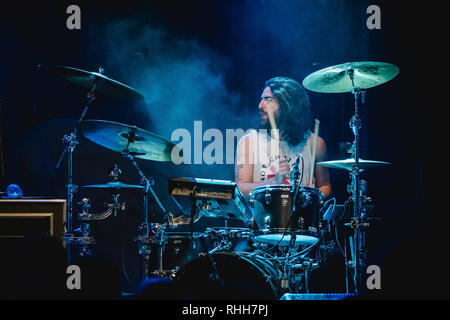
[{"x": 289, "y": 103}]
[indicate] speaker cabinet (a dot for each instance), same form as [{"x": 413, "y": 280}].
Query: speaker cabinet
[{"x": 22, "y": 217}]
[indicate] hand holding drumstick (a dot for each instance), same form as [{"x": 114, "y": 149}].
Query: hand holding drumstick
[{"x": 284, "y": 169}]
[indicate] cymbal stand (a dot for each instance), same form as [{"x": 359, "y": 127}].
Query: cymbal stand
[
  {"x": 144, "y": 240},
  {"x": 357, "y": 221},
  {"x": 70, "y": 141},
  {"x": 86, "y": 239}
]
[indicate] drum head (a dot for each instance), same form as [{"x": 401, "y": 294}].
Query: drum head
[
  {"x": 240, "y": 277},
  {"x": 283, "y": 241},
  {"x": 272, "y": 187}
]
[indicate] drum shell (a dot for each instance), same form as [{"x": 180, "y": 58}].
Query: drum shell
[
  {"x": 273, "y": 208},
  {"x": 179, "y": 248}
]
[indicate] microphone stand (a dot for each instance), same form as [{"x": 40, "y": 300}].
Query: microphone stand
[
  {"x": 193, "y": 199},
  {"x": 144, "y": 240},
  {"x": 295, "y": 173},
  {"x": 208, "y": 254},
  {"x": 147, "y": 183}
]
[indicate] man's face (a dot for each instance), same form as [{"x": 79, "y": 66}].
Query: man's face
[{"x": 269, "y": 103}]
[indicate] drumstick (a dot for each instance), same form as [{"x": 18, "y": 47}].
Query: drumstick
[
  {"x": 275, "y": 131},
  {"x": 273, "y": 124},
  {"x": 316, "y": 134}
]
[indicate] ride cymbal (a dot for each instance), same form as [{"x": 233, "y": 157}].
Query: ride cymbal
[{"x": 335, "y": 79}]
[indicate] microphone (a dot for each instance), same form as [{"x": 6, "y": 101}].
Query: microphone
[{"x": 295, "y": 172}]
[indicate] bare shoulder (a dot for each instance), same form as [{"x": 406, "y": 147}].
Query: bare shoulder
[
  {"x": 249, "y": 136},
  {"x": 320, "y": 141},
  {"x": 321, "y": 147}
]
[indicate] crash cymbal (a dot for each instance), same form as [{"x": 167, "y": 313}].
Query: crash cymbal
[
  {"x": 86, "y": 79},
  {"x": 113, "y": 185},
  {"x": 348, "y": 164},
  {"x": 121, "y": 137},
  {"x": 335, "y": 79}
]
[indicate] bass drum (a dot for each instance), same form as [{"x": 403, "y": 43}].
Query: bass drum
[{"x": 241, "y": 276}]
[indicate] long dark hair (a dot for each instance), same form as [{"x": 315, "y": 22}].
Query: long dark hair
[{"x": 295, "y": 116}]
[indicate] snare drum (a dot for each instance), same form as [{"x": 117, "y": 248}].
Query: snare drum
[{"x": 275, "y": 219}]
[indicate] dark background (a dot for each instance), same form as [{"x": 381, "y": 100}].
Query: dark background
[{"x": 208, "y": 60}]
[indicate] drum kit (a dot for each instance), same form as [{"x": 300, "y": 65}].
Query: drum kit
[{"x": 287, "y": 228}]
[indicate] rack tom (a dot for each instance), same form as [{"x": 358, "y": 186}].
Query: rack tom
[{"x": 276, "y": 217}]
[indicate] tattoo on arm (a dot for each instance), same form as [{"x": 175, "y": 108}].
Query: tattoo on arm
[
  {"x": 241, "y": 150},
  {"x": 236, "y": 172},
  {"x": 239, "y": 154}
]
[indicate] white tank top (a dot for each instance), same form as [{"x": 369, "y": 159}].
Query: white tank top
[{"x": 267, "y": 157}]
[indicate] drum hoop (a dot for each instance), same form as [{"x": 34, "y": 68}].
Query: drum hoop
[
  {"x": 282, "y": 187},
  {"x": 230, "y": 230},
  {"x": 182, "y": 235},
  {"x": 288, "y": 232},
  {"x": 285, "y": 188}
]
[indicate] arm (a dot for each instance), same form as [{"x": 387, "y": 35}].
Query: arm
[
  {"x": 321, "y": 174},
  {"x": 244, "y": 167}
]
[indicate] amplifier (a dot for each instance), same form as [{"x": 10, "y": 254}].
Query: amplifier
[
  {"x": 203, "y": 188},
  {"x": 26, "y": 216},
  {"x": 213, "y": 198}
]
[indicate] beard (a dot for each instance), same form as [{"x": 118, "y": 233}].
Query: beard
[{"x": 264, "y": 123}]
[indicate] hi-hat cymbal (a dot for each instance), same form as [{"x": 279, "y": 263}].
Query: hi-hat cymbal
[
  {"x": 135, "y": 141},
  {"x": 348, "y": 164},
  {"x": 335, "y": 79},
  {"x": 86, "y": 79},
  {"x": 113, "y": 185}
]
